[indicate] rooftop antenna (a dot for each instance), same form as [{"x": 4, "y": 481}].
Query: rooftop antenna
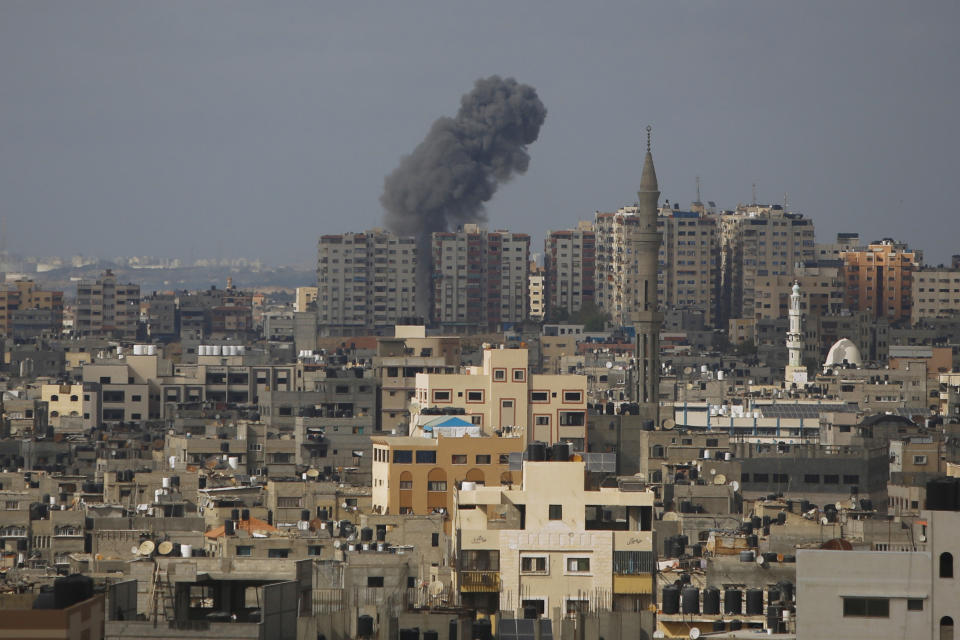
[
  {"x": 785, "y": 201},
  {"x": 698, "y": 189},
  {"x": 649, "y": 129},
  {"x": 754, "y": 193}
]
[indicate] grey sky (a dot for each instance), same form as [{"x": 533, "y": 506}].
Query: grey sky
[{"x": 199, "y": 128}]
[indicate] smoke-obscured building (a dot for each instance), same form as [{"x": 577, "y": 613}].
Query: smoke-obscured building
[
  {"x": 365, "y": 281},
  {"x": 106, "y": 307},
  {"x": 757, "y": 241},
  {"x": 480, "y": 278},
  {"x": 570, "y": 266}
]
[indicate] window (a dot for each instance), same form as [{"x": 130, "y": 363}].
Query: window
[
  {"x": 831, "y": 478},
  {"x": 713, "y": 442},
  {"x": 474, "y": 396},
  {"x": 375, "y": 581},
  {"x": 919, "y": 459},
  {"x": 403, "y": 456},
  {"x": 534, "y": 564},
  {"x": 437, "y": 485},
  {"x": 54, "y": 398},
  {"x": 483, "y": 458},
  {"x": 811, "y": 478},
  {"x": 499, "y": 375},
  {"x": 571, "y": 418},
  {"x": 761, "y": 477},
  {"x": 406, "y": 485},
  {"x": 314, "y": 550},
  {"x": 575, "y": 606},
  {"x": 426, "y": 457},
  {"x": 135, "y": 398},
  {"x": 578, "y": 565},
  {"x": 914, "y": 604},
  {"x": 519, "y": 375},
  {"x": 434, "y": 539},
  {"x": 572, "y": 396},
  {"x": 556, "y": 512},
  {"x": 278, "y": 553},
  {"x": 539, "y": 396},
  {"x": 542, "y": 420},
  {"x": 441, "y": 396},
  {"x": 540, "y": 605},
  {"x": 946, "y": 565},
  {"x": 866, "y": 608},
  {"x": 851, "y": 479},
  {"x": 458, "y": 458},
  {"x": 244, "y": 551}
]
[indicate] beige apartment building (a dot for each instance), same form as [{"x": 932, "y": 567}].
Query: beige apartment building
[
  {"x": 480, "y": 278},
  {"x": 758, "y": 241},
  {"x": 419, "y": 475},
  {"x": 618, "y": 289},
  {"x": 570, "y": 267},
  {"x": 365, "y": 281},
  {"x": 502, "y": 393},
  {"x": 689, "y": 259},
  {"x": 537, "y": 291},
  {"x": 555, "y": 545},
  {"x": 71, "y": 407},
  {"x": 19, "y": 298},
  {"x": 106, "y": 307},
  {"x": 305, "y": 297},
  {"x": 822, "y": 293},
  {"x": 935, "y": 293}
]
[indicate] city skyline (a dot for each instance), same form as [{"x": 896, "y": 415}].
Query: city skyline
[{"x": 176, "y": 129}]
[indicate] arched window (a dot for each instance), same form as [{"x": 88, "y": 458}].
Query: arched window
[
  {"x": 437, "y": 480},
  {"x": 656, "y": 476},
  {"x": 946, "y": 565},
  {"x": 506, "y": 479},
  {"x": 475, "y": 475},
  {"x": 946, "y": 628}
]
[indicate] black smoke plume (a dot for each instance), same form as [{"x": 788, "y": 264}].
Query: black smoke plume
[{"x": 458, "y": 167}]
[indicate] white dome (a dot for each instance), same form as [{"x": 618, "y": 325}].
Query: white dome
[{"x": 843, "y": 349}]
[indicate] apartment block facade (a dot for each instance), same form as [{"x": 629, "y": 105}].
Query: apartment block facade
[
  {"x": 106, "y": 307},
  {"x": 688, "y": 276},
  {"x": 365, "y": 281},
  {"x": 618, "y": 288},
  {"x": 570, "y": 268},
  {"x": 935, "y": 293},
  {"x": 480, "y": 278},
  {"x": 26, "y": 310},
  {"x": 879, "y": 280},
  {"x": 822, "y": 293},
  {"x": 757, "y": 241}
]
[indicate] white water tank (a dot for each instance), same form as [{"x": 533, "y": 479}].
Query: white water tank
[
  {"x": 151, "y": 350},
  {"x": 186, "y": 550},
  {"x": 165, "y": 483},
  {"x": 233, "y": 462},
  {"x": 468, "y": 486}
]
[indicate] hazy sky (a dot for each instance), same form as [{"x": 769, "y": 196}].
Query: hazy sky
[{"x": 230, "y": 128}]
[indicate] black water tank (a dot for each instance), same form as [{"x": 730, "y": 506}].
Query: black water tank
[
  {"x": 382, "y": 534},
  {"x": 736, "y": 625},
  {"x": 228, "y": 528},
  {"x": 690, "y": 599},
  {"x": 245, "y": 514},
  {"x": 804, "y": 506},
  {"x": 321, "y": 513},
  {"x": 452, "y": 630},
  {"x": 481, "y": 629},
  {"x": 747, "y": 528},
  {"x": 774, "y": 611},
  {"x": 536, "y": 452},
  {"x": 410, "y": 634},
  {"x": 366, "y": 534},
  {"x": 270, "y": 518},
  {"x": 531, "y": 612},
  {"x": 789, "y": 557},
  {"x": 786, "y": 591},
  {"x": 766, "y": 530},
  {"x": 756, "y": 522},
  {"x": 752, "y": 541},
  {"x": 754, "y": 602},
  {"x": 782, "y": 517},
  {"x": 773, "y": 595},
  {"x": 711, "y": 601},
  {"x": 766, "y": 521},
  {"x": 671, "y": 599},
  {"x": 769, "y": 556},
  {"x": 718, "y": 625},
  {"x": 234, "y": 514},
  {"x": 696, "y": 550},
  {"x": 733, "y": 601},
  {"x": 305, "y": 514},
  {"x": 560, "y": 451},
  {"x": 365, "y": 626},
  {"x": 430, "y": 634},
  {"x": 45, "y": 599},
  {"x": 683, "y": 541},
  {"x": 71, "y": 590}
]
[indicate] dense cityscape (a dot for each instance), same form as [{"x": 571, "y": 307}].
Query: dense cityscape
[{"x": 320, "y": 323}]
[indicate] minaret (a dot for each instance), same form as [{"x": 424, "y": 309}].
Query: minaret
[
  {"x": 645, "y": 316},
  {"x": 795, "y": 372}
]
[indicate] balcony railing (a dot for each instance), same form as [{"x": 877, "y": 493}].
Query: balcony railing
[{"x": 480, "y": 581}]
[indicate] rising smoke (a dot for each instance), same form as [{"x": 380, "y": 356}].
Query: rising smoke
[{"x": 447, "y": 179}]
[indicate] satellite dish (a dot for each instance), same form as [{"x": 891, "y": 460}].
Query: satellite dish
[
  {"x": 135, "y": 550},
  {"x": 761, "y": 560},
  {"x": 720, "y": 479},
  {"x": 313, "y": 473},
  {"x": 687, "y": 371},
  {"x": 147, "y": 547},
  {"x": 824, "y": 520},
  {"x": 165, "y": 547},
  {"x": 609, "y": 365},
  {"x": 735, "y": 485},
  {"x": 669, "y": 423},
  {"x": 713, "y": 472},
  {"x": 853, "y": 503},
  {"x": 694, "y": 633}
]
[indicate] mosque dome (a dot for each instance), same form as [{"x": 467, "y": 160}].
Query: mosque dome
[{"x": 843, "y": 350}]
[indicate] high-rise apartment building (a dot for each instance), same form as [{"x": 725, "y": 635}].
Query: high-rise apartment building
[
  {"x": 570, "y": 266},
  {"x": 537, "y": 291},
  {"x": 106, "y": 307},
  {"x": 935, "y": 293},
  {"x": 617, "y": 290},
  {"x": 879, "y": 279},
  {"x": 757, "y": 241},
  {"x": 365, "y": 281},
  {"x": 689, "y": 261},
  {"x": 822, "y": 292},
  {"x": 480, "y": 278},
  {"x": 26, "y": 311}
]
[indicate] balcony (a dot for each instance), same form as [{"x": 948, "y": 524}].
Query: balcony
[{"x": 479, "y": 581}]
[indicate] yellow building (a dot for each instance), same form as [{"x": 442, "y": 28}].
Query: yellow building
[
  {"x": 418, "y": 475},
  {"x": 502, "y": 393},
  {"x": 305, "y": 297},
  {"x": 555, "y": 545}
]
